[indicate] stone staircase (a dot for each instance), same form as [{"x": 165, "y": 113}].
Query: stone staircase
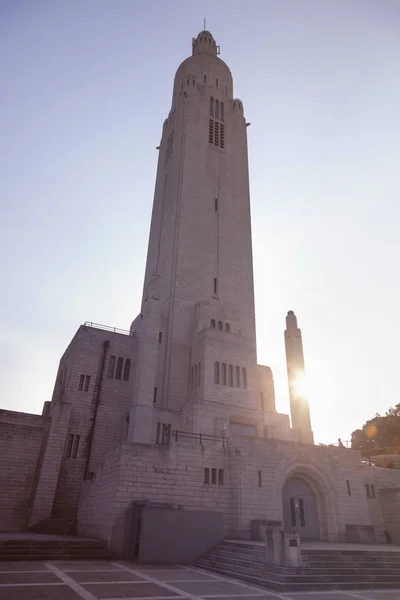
[
  {"x": 323, "y": 569},
  {"x": 48, "y": 547}
]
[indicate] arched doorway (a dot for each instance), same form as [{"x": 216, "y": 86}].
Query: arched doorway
[{"x": 300, "y": 509}]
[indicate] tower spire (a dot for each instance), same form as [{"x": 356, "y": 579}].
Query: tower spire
[{"x": 205, "y": 23}]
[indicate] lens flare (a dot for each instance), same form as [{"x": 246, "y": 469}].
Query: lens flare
[{"x": 300, "y": 385}]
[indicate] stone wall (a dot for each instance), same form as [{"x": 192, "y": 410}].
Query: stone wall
[
  {"x": 254, "y": 473},
  {"x": 21, "y": 438}
]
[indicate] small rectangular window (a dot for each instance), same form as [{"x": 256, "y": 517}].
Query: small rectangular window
[
  {"x": 81, "y": 383},
  {"x": 118, "y": 370},
  {"x": 244, "y": 377},
  {"x": 231, "y": 375},
  {"x": 216, "y": 372},
  {"x": 223, "y": 374},
  {"x": 237, "y": 378},
  {"x": 221, "y": 110},
  {"x": 373, "y": 495},
  {"x": 69, "y": 445},
  {"x": 220, "y": 477},
  {"x": 154, "y": 395},
  {"x": 259, "y": 479},
  {"x": 111, "y": 367},
  {"x": 214, "y": 476},
  {"x": 368, "y": 489},
  {"x": 87, "y": 381},
  {"x": 211, "y": 106},
  {"x": 206, "y": 475},
  {"x": 216, "y": 82},
  {"x": 215, "y": 286},
  {"x": 217, "y": 109},
  {"x": 205, "y": 79},
  {"x": 75, "y": 446},
  {"x": 348, "y": 487},
  {"x": 127, "y": 369},
  {"x": 216, "y": 204},
  {"x": 160, "y": 337}
]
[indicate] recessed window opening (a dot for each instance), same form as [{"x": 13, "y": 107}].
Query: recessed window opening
[
  {"x": 215, "y": 285},
  {"x": 216, "y": 372},
  {"x": 231, "y": 375},
  {"x": 348, "y": 487},
  {"x": 206, "y": 475},
  {"x": 220, "y": 325},
  {"x": 111, "y": 367},
  {"x": 216, "y": 204},
  {"x": 244, "y": 377},
  {"x": 220, "y": 477},
  {"x": 214, "y": 476},
  {"x": 212, "y": 323},
  {"x": 127, "y": 369},
  {"x": 227, "y": 327},
  {"x": 118, "y": 370},
  {"x": 259, "y": 479},
  {"x": 237, "y": 377},
  {"x": 205, "y": 79},
  {"x": 216, "y": 82},
  {"x": 223, "y": 373},
  {"x": 154, "y": 395},
  {"x": 160, "y": 336}
]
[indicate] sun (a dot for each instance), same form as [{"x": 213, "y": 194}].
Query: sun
[{"x": 301, "y": 385}]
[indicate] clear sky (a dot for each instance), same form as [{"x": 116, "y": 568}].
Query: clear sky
[{"x": 84, "y": 88}]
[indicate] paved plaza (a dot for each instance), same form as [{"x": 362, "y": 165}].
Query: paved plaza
[{"x": 67, "y": 580}]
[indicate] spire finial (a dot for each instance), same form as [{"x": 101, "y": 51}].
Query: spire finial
[{"x": 205, "y": 23}]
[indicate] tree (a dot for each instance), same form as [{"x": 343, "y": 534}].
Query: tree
[{"x": 380, "y": 435}]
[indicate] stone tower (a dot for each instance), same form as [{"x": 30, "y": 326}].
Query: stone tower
[
  {"x": 197, "y": 349},
  {"x": 299, "y": 407}
]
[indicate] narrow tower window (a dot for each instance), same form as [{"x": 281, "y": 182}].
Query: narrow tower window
[
  {"x": 216, "y": 109},
  {"x": 223, "y": 374},
  {"x": 215, "y": 286},
  {"x": 216, "y": 204},
  {"x": 155, "y": 395},
  {"x": 220, "y": 477},
  {"x": 205, "y": 78},
  {"x": 216, "y": 82},
  {"x": 237, "y": 378},
  {"x": 216, "y": 372},
  {"x": 259, "y": 479},
  {"x": 231, "y": 375},
  {"x": 212, "y": 323},
  {"x": 220, "y": 325},
  {"x": 244, "y": 377},
  {"x": 348, "y": 487},
  {"x": 160, "y": 336},
  {"x": 127, "y": 369},
  {"x": 111, "y": 367},
  {"x": 227, "y": 327},
  {"x": 221, "y": 108},
  {"x": 211, "y": 106},
  {"x": 118, "y": 370}
]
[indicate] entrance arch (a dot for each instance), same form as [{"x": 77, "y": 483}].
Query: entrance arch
[{"x": 300, "y": 511}]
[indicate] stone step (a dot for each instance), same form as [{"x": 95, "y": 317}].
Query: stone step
[
  {"x": 309, "y": 569},
  {"x": 306, "y": 586},
  {"x": 300, "y": 576},
  {"x": 80, "y": 549}
]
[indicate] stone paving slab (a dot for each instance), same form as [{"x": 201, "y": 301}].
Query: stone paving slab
[
  {"x": 103, "y": 576},
  {"x": 215, "y": 586},
  {"x": 81, "y": 565},
  {"x": 23, "y": 566},
  {"x": 21, "y": 577},
  {"x": 50, "y": 592},
  {"x": 126, "y": 590},
  {"x": 181, "y": 575}
]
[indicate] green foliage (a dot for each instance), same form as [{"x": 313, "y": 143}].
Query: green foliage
[{"x": 380, "y": 435}]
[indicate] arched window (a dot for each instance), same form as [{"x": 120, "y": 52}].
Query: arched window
[
  {"x": 220, "y": 325},
  {"x": 213, "y": 323},
  {"x": 211, "y": 106},
  {"x": 216, "y": 372},
  {"x": 227, "y": 327}
]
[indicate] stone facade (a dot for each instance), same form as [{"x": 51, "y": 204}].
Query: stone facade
[{"x": 176, "y": 410}]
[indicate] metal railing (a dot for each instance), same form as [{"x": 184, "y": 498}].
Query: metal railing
[
  {"x": 201, "y": 437},
  {"x": 106, "y": 327}
]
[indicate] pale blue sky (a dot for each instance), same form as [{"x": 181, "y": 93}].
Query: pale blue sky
[{"x": 84, "y": 88}]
